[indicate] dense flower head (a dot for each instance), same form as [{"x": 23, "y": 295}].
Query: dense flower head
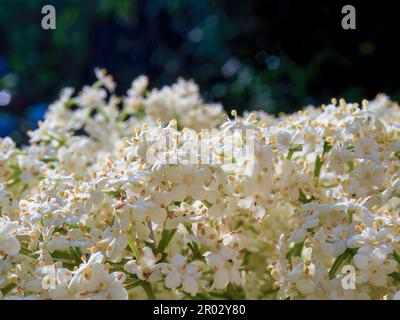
[{"x": 159, "y": 194}]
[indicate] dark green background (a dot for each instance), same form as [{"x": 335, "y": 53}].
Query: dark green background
[{"x": 271, "y": 55}]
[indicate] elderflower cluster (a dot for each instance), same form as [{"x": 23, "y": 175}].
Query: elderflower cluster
[{"x": 158, "y": 194}]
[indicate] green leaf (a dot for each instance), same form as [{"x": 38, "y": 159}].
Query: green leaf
[
  {"x": 235, "y": 293},
  {"x": 338, "y": 262},
  {"x": 196, "y": 251},
  {"x": 327, "y": 147},
  {"x": 17, "y": 170},
  {"x": 269, "y": 290},
  {"x": 350, "y": 163},
  {"x": 293, "y": 150},
  {"x": 207, "y": 204},
  {"x": 396, "y": 256},
  {"x": 303, "y": 199},
  {"x": 166, "y": 237},
  {"x": 24, "y": 188},
  {"x": 13, "y": 182},
  {"x": 395, "y": 276},
  {"x": 75, "y": 254},
  {"x": 149, "y": 290},
  {"x": 295, "y": 251},
  {"x": 317, "y": 169},
  {"x": 64, "y": 257},
  {"x": 48, "y": 160},
  {"x": 113, "y": 193},
  {"x": 8, "y": 288}
]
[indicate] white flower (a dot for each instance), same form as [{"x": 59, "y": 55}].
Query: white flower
[
  {"x": 91, "y": 97},
  {"x": 338, "y": 158},
  {"x": 140, "y": 84},
  {"x": 114, "y": 242},
  {"x": 146, "y": 268},
  {"x": 370, "y": 239},
  {"x": 366, "y": 148},
  {"x": 7, "y": 148},
  {"x": 92, "y": 280},
  {"x": 189, "y": 181},
  {"x": 340, "y": 236},
  {"x": 179, "y": 273},
  {"x": 4, "y": 194},
  {"x": 299, "y": 234},
  {"x": 374, "y": 267},
  {"x": 226, "y": 271},
  {"x": 293, "y": 180},
  {"x": 186, "y": 214},
  {"x": 105, "y": 79},
  {"x": 287, "y": 139},
  {"x": 9, "y": 244},
  {"x": 143, "y": 209}
]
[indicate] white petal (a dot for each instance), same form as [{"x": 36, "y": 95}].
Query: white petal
[
  {"x": 378, "y": 255},
  {"x": 98, "y": 272},
  {"x": 11, "y": 246},
  {"x": 379, "y": 279},
  {"x": 361, "y": 261},
  {"x": 147, "y": 260},
  {"x": 339, "y": 247},
  {"x": 190, "y": 285},
  {"x": 173, "y": 280},
  {"x": 215, "y": 260},
  {"x": 305, "y": 286},
  {"x": 131, "y": 267},
  {"x": 298, "y": 235},
  {"x": 178, "y": 260},
  {"x": 221, "y": 279},
  {"x": 311, "y": 224},
  {"x": 363, "y": 276},
  {"x": 234, "y": 275},
  {"x": 118, "y": 293}
]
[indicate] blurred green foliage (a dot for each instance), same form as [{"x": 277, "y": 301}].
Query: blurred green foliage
[{"x": 45, "y": 60}]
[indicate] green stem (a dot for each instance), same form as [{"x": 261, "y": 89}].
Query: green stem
[
  {"x": 396, "y": 256},
  {"x": 338, "y": 262},
  {"x": 149, "y": 290},
  {"x": 317, "y": 169},
  {"x": 8, "y": 288},
  {"x": 133, "y": 284},
  {"x": 295, "y": 251},
  {"x": 293, "y": 150},
  {"x": 75, "y": 255},
  {"x": 166, "y": 238}
]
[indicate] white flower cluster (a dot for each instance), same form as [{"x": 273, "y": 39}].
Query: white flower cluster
[
  {"x": 86, "y": 215},
  {"x": 350, "y": 214}
]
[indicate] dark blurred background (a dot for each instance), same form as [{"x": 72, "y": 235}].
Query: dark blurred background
[{"x": 270, "y": 55}]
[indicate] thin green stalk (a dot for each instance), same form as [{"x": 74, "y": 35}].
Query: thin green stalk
[
  {"x": 133, "y": 284},
  {"x": 133, "y": 247},
  {"x": 149, "y": 290}
]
